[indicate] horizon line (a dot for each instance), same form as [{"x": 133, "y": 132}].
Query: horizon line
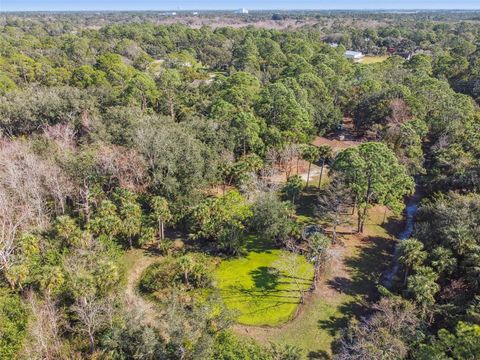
[{"x": 238, "y": 8}]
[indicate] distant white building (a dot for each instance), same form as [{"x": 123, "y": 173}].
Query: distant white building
[
  {"x": 241, "y": 11},
  {"x": 354, "y": 55}
]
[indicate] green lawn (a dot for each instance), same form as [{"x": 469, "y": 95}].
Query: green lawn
[
  {"x": 254, "y": 287},
  {"x": 372, "y": 59},
  {"x": 318, "y": 327}
]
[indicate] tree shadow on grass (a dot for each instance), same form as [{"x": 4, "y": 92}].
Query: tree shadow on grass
[
  {"x": 365, "y": 268},
  {"x": 306, "y": 203},
  {"x": 320, "y": 354},
  {"x": 352, "y": 309},
  {"x": 265, "y": 278},
  {"x": 334, "y": 325},
  {"x": 258, "y": 244}
]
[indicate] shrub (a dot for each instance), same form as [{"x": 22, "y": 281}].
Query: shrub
[
  {"x": 272, "y": 218},
  {"x": 186, "y": 272}
]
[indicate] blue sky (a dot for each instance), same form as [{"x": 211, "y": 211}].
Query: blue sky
[{"x": 14, "y": 5}]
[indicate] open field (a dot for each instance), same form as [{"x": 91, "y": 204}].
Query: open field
[
  {"x": 253, "y": 285},
  {"x": 372, "y": 59}
]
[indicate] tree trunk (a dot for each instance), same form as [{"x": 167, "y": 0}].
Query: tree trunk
[
  {"x": 406, "y": 276},
  {"x": 172, "y": 110},
  {"x": 321, "y": 175},
  {"x": 308, "y": 174},
  {"x": 162, "y": 231},
  {"x": 86, "y": 205},
  {"x": 365, "y": 210},
  {"x": 363, "y": 217},
  {"x": 298, "y": 160},
  {"x": 316, "y": 272},
  {"x": 359, "y": 220},
  {"x": 91, "y": 339},
  {"x": 185, "y": 277}
]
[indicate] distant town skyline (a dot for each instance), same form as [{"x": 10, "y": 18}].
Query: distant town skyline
[{"x": 98, "y": 5}]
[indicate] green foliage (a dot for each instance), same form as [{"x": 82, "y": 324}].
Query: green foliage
[
  {"x": 186, "y": 272},
  {"x": 13, "y": 324},
  {"x": 240, "y": 171},
  {"x": 177, "y": 160},
  {"x": 229, "y": 347},
  {"x": 463, "y": 344},
  {"x": 375, "y": 177},
  {"x": 293, "y": 187},
  {"x": 133, "y": 340},
  {"x": 161, "y": 213},
  {"x": 247, "y": 129},
  {"x": 221, "y": 220},
  {"x": 106, "y": 221},
  {"x": 280, "y": 108},
  {"x": 272, "y": 218},
  {"x": 68, "y": 232},
  {"x": 422, "y": 285},
  {"x": 130, "y": 214},
  {"x": 113, "y": 129},
  {"x": 446, "y": 225},
  {"x": 241, "y": 89},
  {"x": 310, "y": 153},
  {"x": 412, "y": 254}
]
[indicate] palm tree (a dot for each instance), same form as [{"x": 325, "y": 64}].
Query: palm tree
[
  {"x": 293, "y": 187},
  {"x": 423, "y": 285},
  {"x": 412, "y": 255},
  {"x": 325, "y": 153},
  {"x": 317, "y": 249},
  {"x": 309, "y": 153},
  {"x": 186, "y": 263},
  {"x": 162, "y": 214}
]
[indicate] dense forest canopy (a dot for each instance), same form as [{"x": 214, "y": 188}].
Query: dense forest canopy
[{"x": 123, "y": 130}]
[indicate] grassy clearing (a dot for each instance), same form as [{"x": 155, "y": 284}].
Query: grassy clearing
[
  {"x": 253, "y": 286},
  {"x": 371, "y": 59},
  {"x": 347, "y": 286},
  {"x": 318, "y": 328}
]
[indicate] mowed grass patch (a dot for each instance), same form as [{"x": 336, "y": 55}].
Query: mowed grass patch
[
  {"x": 372, "y": 59},
  {"x": 257, "y": 289}
]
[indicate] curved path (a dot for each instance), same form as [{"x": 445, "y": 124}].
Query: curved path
[{"x": 133, "y": 300}]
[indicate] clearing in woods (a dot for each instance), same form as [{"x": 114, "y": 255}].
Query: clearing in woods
[
  {"x": 373, "y": 59},
  {"x": 258, "y": 288},
  {"x": 348, "y": 283}
]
